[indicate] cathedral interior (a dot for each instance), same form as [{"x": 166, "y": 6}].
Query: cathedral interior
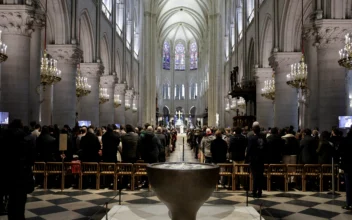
[{"x": 181, "y": 65}]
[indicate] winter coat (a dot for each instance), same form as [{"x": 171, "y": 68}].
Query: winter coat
[
  {"x": 218, "y": 149},
  {"x": 129, "y": 146},
  {"x": 238, "y": 145},
  {"x": 205, "y": 145},
  {"x": 148, "y": 146}
]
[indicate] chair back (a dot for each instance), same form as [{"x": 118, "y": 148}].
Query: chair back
[
  {"x": 226, "y": 169},
  {"x": 54, "y": 167},
  {"x": 39, "y": 168},
  {"x": 140, "y": 169},
  {"x": 242, "y": 170},
  {"x": 107, "y": 168},
  {"x": 277, "y": 170},
  {"x": 312, "y": 169},
  {"x": 295, "y": 169},
  {"x": 124, "y": 169},
  {"x": 89, "y": 168}
]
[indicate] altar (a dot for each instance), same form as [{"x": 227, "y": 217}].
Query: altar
[{"x": 179, "y": 122}]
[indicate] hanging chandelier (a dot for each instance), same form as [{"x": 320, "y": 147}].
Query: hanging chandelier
[
  {"x": 233, "y": 104},
  {"x": 117, "y": 101},
  {"x": 49, "y": 73},
  {"x": 227, "y": 108},
  {"x": 269, "y": 89},
  {"x": 297, "y": 78},
  {"x": 3, "y": 47},
  {"x": 82, "y": 86},
  {"x": 103, "y": 95},
  {"x": 241, "y": 103},
  {"x": 127, "y": 104},
  {"x": 134, "y": 107},
  {"x": 346, "y": 53}
]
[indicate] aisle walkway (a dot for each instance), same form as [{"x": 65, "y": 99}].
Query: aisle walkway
[{"x": 176, "y": 156}]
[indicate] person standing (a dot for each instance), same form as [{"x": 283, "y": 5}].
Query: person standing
[
  {"x": 148, "y": 146},
  {"x": 129, "y": 145},
  {"x": 18, "y": 178},
  {"x": 345, "y": 152},
  {"x": 162, "y": 139},
  {"x": 205, "y": 145},
  {"x": 111, "y": 142},
  {"x": 256, "y": 155}
]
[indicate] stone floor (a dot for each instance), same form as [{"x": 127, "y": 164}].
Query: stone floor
[{"x": 88, "y": 204}]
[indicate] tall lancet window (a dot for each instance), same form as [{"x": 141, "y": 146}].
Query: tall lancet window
[
  {"x": 107, "y": 9},
  {"x": 239, "y": 19},
  {"x": 180, "y": 57},
  {"x": 193, "y": 91},
  {"x": 166, "y": 91},
  {"x": 166, "y": 56},
  {"x": 193, "y": 56},
  {"x": 250, "y": 10}
]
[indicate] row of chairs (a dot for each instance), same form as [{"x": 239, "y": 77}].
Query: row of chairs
[
  {"x": 285, "y": 171},
  {"x": 137, "y": 170},
  {"x": 97, "y": 170}
]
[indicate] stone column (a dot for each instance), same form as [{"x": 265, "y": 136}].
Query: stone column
[
  {"x": 286, "y": 102},
  {"x": 128, "y": 112},
  {"x": 265, "y": 107},
  {"x": 64, "y": 107},
  {"x": 15, "y": 24},
  {"x": 89, "y": 105},
  {"x": 46, "y": 106},
  {"x": 106, "y": 113},
  {"x": 331, "y": 79},
  {"x": 34, "y": 83},
  {"x": 120, "y": 111},
  {"x": 135, "y": 112}
]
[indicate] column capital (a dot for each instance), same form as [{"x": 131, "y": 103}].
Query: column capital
[
  {"x": 92, "y": 70},
  {"x": 129, "y": 93},
  {"x": 107, "y": 81},
  {"x": 328, "y": 32},
  {"x": 263, "y": 73},
  {"x": 17, "y": 19},
  {"x": 284, "y": 59},
  {"x": 66, "y": 53},
  {"x": 120, "y": 88}
]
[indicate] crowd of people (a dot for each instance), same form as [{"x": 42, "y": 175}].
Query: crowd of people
[
  {"x": 274, "y": 146},
  {"x": 26, "y": 144},
  {"x": 23, "y": 145}
]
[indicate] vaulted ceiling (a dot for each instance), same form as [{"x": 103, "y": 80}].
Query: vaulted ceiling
[{"x": 182, "y": 19}]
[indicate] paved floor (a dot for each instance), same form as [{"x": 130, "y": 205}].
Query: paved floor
[
  {"x": 177, "y": 155},
  {"x": 88, "y": 204}
]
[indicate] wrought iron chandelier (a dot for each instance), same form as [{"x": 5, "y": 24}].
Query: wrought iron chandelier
[
  {"x": 134, "y": 107},
  {"x": 103, "y": 95},
  {"x": 49, "y": 73},
  {"x": 3, "y": 47},
  {"x": 299, "y": 71},
  {"x": 233, "y": 104},
  {"x": 82, "y": 86},
  {"x": 269, "y": 89},
  {"x": 346, "y": 53},
  {"x": 117, "y": 101},
  {"x": 127, "y": 104}
]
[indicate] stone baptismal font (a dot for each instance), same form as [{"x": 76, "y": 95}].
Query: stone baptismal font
[{"x": 183, "y": 187}]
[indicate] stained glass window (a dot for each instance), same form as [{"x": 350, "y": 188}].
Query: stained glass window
[
  {"x": 106, "y": 8},
  {"x": 166, "y": 56},
  {"x": 193, "y": 54},
  {"x": 180, "y": 57}
]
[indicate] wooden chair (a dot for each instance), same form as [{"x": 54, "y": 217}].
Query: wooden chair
[
  {"x": 265, "y": 174},
  {"x": 72, "y": 169},
  {"x": 139, "y": 170},
  {"x": 326, "y": 171},
  {"x": 242, "y": 170},
  {"x": 311, "y": 170},
  {"x": 295, "y": 170},
  {"x": 226, "y": 169},
  {"x": 279, "y": 170},
  {"x": 39, "y": 169},
  {"x": 54, "y": 168},
  {"x": 124, "y": 170},
  {"x": 107, "y": 169},
  {"x": 89, "y": 169}
]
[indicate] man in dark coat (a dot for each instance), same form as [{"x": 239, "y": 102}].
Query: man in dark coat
[
  {"x": 129, "y": 145},
  {"x": 18, "y": 177},
  {"x": 308, "y": 147},
  {"x": 46, "y": 146},
  {"x": 90, "y": 146},
  {"x": 238, "y": 144},
  {"x": 256, "y": 155},
  {"x": 345, "y": 151},
  {"x": 148, "y": 146},
  {"x": 162, "y": 139},
  {"x": 218, "y": 148},
  {"x": 111, "y": 142},
  {"x": 275, "y": 146}
]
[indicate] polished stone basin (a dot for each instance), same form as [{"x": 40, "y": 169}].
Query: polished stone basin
[{"x": 183, "y": 187}]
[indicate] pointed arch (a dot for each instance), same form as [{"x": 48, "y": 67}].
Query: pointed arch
[
  {"x": 266, "y": 42},
  {"x": 251, "y": 62},
  {"x": 118, "y": 66},
  {"x": 180, "y": 55},
  {"x": 86, "y": 40},
  {"x": 105, "y": 54}
]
